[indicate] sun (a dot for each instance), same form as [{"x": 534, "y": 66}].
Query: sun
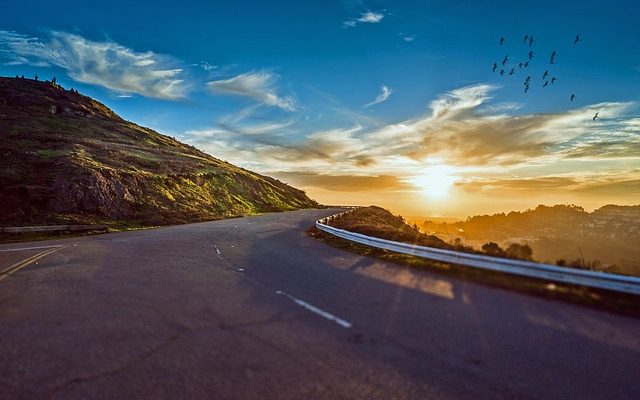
[{"x": 435, "y": 181}]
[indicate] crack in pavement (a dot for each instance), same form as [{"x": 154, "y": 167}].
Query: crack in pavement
[{"x": 114, "y": 371}]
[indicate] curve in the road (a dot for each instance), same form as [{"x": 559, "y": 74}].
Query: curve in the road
[{"x": 209, "y": 310}]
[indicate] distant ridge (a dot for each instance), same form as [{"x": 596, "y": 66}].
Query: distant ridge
[
  {"x": 67, "y": 158},
  {"x": 608, "y": 235}
]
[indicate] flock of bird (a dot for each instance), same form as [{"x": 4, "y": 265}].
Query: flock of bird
[{"x": 547, "y": 78}]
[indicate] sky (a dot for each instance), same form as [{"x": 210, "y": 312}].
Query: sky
[{"x": 367, "y": 102}]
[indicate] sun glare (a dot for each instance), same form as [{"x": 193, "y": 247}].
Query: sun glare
[{"x": 435, "y": 181}]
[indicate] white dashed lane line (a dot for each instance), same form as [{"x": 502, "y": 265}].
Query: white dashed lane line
[
  {"x": 301, "y": 303},
  {"x": 316, "y": 310}
]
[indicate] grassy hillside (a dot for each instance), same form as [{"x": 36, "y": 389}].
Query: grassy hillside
[
  {"x": 65, "y": 157},
  {"x": 378, "y": 222}
]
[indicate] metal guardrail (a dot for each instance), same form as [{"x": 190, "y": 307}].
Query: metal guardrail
[
  {"x": 601, "y": 280},
  {"x": 52, "y": 228}
]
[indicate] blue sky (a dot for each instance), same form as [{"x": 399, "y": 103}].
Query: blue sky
[{"x": 310, "y": 91}]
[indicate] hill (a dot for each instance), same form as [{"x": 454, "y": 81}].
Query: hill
[
  {"x": 565, "y": 233},
  {"x": 67, "y": 158},
  {"x": 378, "y": 222}
]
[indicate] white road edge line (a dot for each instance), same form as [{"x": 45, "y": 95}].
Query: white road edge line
[
  {"x": 33, "y": 248},
  {"x": 316, "y": 310}
]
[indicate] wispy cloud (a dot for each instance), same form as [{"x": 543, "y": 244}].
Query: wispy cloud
[
  {"x": 385, "y": 92},
  {"x": 620, "y": 183},
  {"x": 344, "y": 183},
  {"x": 270, "y": 146},
  {"x": 258, "y": 85},
  {"x": 407, "y": 37},
  {"x": 206, "y": 66},
  {"x": 462, "y": 129},
  {"x": 369, "y": 17},
  {"x": 105, "y": 64}
]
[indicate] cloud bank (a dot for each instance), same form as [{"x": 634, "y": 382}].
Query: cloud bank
[
  {"x": 107, "y": 64},
  {"x": 461, "y": 128}
]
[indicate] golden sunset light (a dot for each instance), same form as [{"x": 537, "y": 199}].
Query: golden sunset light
[
  {"x": 358, "y": 199},
  {"x": 435, "y": 181}
]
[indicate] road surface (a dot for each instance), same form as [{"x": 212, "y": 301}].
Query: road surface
[{"x": 252, "y": 308}]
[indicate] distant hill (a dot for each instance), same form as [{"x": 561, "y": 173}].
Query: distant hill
[
  {"x": 65, "y": 157},
  {"x": 610, "y": 234},
  {"x": 551, "y": 221}
]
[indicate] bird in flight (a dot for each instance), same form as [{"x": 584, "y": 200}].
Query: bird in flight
[
  {"x": 553, "y": 80},
  {"x": 501, "y": 41},
  {"x": 530, "y": 55},
  {"x": 526, "y": 64},
  {"x": 573, "y": 96},
  {"x": 512, "y": 72},
  {"x": 577, "y": 39},
  {"x": 530, "y": 40},
  {"x": 553, "y": 58},
  {"x": 596, "y": 116},
  {"x": 526, "y": 81},
  {"x": 495, "y": 66},
  {"x": 520, "y": 65},
  {"x": 546, "y": 83},
  {"x": 526, "y": 37},
  {"x": 526, "y": 89},
  {"x": 502, "y": 72},
  {"x": 546, "y": 73},
  {"x": 505, "y": 60}
]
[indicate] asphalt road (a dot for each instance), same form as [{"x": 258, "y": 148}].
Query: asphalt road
[{"x": 252, "y": 308}]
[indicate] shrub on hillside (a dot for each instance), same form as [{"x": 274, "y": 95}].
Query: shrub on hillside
[
  {"x": 519, "y": 251},
  {"x": 493, "y": 249}
]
